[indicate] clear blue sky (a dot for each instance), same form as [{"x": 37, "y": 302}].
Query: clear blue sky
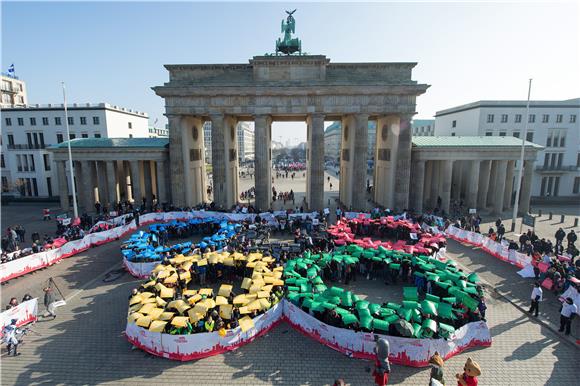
[{"x": 115, "y": 52}]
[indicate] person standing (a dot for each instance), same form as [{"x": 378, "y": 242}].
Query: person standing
[
  {"x": 382, "y": 364},
  {"x": 569, "y": 311},
  {"x": 537, "y": 295},
  {"x": 49, "y": 302},
  {"x": 571, "y": 238},
  {"x": 10, "y": 338}
]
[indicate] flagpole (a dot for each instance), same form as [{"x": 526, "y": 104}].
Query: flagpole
[
  {"x": 521, "y": 171},
  {"x": 72, "y": 177}
]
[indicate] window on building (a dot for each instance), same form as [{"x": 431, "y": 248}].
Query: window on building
[
  {"x": 49, "y": 186},
  {"x": 59, "y": 138},
  {"x": 57, "y": 121},
  {"x": 71, "y": 120},
  {"x": 504, "y": 118},
  {"x": 4, "y": 184},
  {"x": 41, "y": 138},
  {"x": 556, "y": 139},
  {"x": 553, "y": 158},
  {"x": 83, "y": 120},
  {"x": 130, "y": 135},
  {"x": 46, "y": 159},
  {"x": 575, "y": 189},
  {"x": 516, "y": 134},
  {"x": 8, "y": 121},
  {"x": 543, "y": 186},
  {"x": 549, "y": 140},
  {"x": 34, "y": 187},
  {"x": 25, "y": 162},
  {"x": 530, "y": 137},
  {"x": 454, "y": 124},
  {"x": 489, "y": 118},
  {"x": 84, "y": 135},
  {"x": 453, "y": 134},
  {"x": 563, "y": 140},
  {"x": 130, "y": 125},
  {"x": 560, "y": 159},
  {"x": 488, "y": 133},
  {"x": 45, "y": 121},
  {"x": 96, "y": 121},
  {"x": 29, "y": 139},
  {"x": 72, "y": 136},
  {"x": 518, "y": 118},
  {"x": 18, "y": 162},
  {"x": 545, "y": 118},
  {"x": 20, "y": 121},
  {"x": 556, "y": 187},
  {"x": 10, "y": 140},
  {"x": 558, "y": 118},
  {"x": 578, "y": 160},
  {"x": 502, "y": 133},
  {"x": 573, "y": 118},
  {"x": 97, "y": 135},
  {"x": 2, "y": 164},
  {"x": 546, "y": 160},
  {"x": 32, "y": 121},
  {"x": 32, "y": 165}
]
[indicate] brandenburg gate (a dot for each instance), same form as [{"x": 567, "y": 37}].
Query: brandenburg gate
[{"x": 290, "y": 87}]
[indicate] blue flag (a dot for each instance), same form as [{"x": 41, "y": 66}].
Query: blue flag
[{"x": 11, "y": 69}]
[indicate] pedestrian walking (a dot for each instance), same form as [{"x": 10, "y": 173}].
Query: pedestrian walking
[
  {"x": 537, "y": 296},
  {"x": 382, "y": 364},
  {"x": 569, "y": 311},
  {"x": 10, "y": 337},
  {"x": 49, "y": 301}
]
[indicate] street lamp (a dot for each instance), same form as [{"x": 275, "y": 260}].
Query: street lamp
[{"x": 72, "y": 177}]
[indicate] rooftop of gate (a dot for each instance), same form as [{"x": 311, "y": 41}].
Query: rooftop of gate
[
  {"x": 100, "y": 143},
  {"x": 470, "y": 141}
]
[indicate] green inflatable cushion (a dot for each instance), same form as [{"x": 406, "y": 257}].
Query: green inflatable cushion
[{"x": 381, "y": 325}]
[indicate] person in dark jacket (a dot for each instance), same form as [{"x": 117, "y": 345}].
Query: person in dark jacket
[{"x": 49, "y": 301}]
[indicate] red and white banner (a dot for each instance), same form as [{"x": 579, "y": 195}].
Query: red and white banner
[
  {"x": 493, "y": 248},
  {"x": 24, "y": 313},
  {"x": 404, "y": 351},
  {"x": 196, "y": 346},
  {"x": 140, "y": 270}
]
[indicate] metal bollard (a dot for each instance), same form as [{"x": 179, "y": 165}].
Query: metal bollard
[
  {"x": 540, "y": 213},
  {"x": 549, "y": 218},
  {"x": 562, "y": 219},
  {"x": 576, "y": 222}
]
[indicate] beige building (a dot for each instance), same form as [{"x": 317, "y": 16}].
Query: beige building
[{"x": 13, "y": 92}]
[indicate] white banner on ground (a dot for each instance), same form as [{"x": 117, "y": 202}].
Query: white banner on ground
[
  {"x": 24, "y": 313},
  {"x": 527, "y": 272},
  {"x": 196, "y": 346},
  {"x": 140, "y": 270},
  {"x": 405, "y": 351}
]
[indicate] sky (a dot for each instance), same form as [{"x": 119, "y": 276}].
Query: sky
[{"x": 467, "y": 51}]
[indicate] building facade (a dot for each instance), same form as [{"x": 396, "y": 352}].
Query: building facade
[
  {"x": 27, "y": 166},
  {"x": 551, "y": 124},
  {"x": 423, "y": 127},
  {"x": 13, "y": 91},
  {"x": 158, "y": 132}
]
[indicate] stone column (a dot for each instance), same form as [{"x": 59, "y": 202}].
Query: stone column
[
  {"x": 127, "y": 180},
  {"x": 492, "y": 180},
  {"x": 435, "y": 184},
  {"x": 446, "y": 175},
  {"x": 176, "y": 162},
  {"x": 472, "y": 184},
  {"x": 102, "y": 182},
  {"x": 403, "y": 170},
  {"x": 112, "y": 184},
  {"x": 387, "y": 138},
  {"x": 121, "y": 180},
  {"x": 484, "y": 175},
  {"x": 62, "y": 185},
  {"x": 418, "y": 185},
  {"x": 428, "y": 183},
  {"x": 315, "y": 167},
  {"x": 359, "y": 161},
  {"x": 456, "y": 180},
  {"x": 499, "y": 188},
  {"x": 86, "y": 189},
  {"x": 509, "y": 185},
  {"x": 154, "y": 187},
  {"x": 263, "y": 161},
  {"x": 194, "y": 156},
  {"x": 136, "y": 181},
  {"x": 526, "y": 193},
  {"x": 224, "y": 160},
  {"x": 147, "y": 182},
  {"x": 161, "y": 184}
]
